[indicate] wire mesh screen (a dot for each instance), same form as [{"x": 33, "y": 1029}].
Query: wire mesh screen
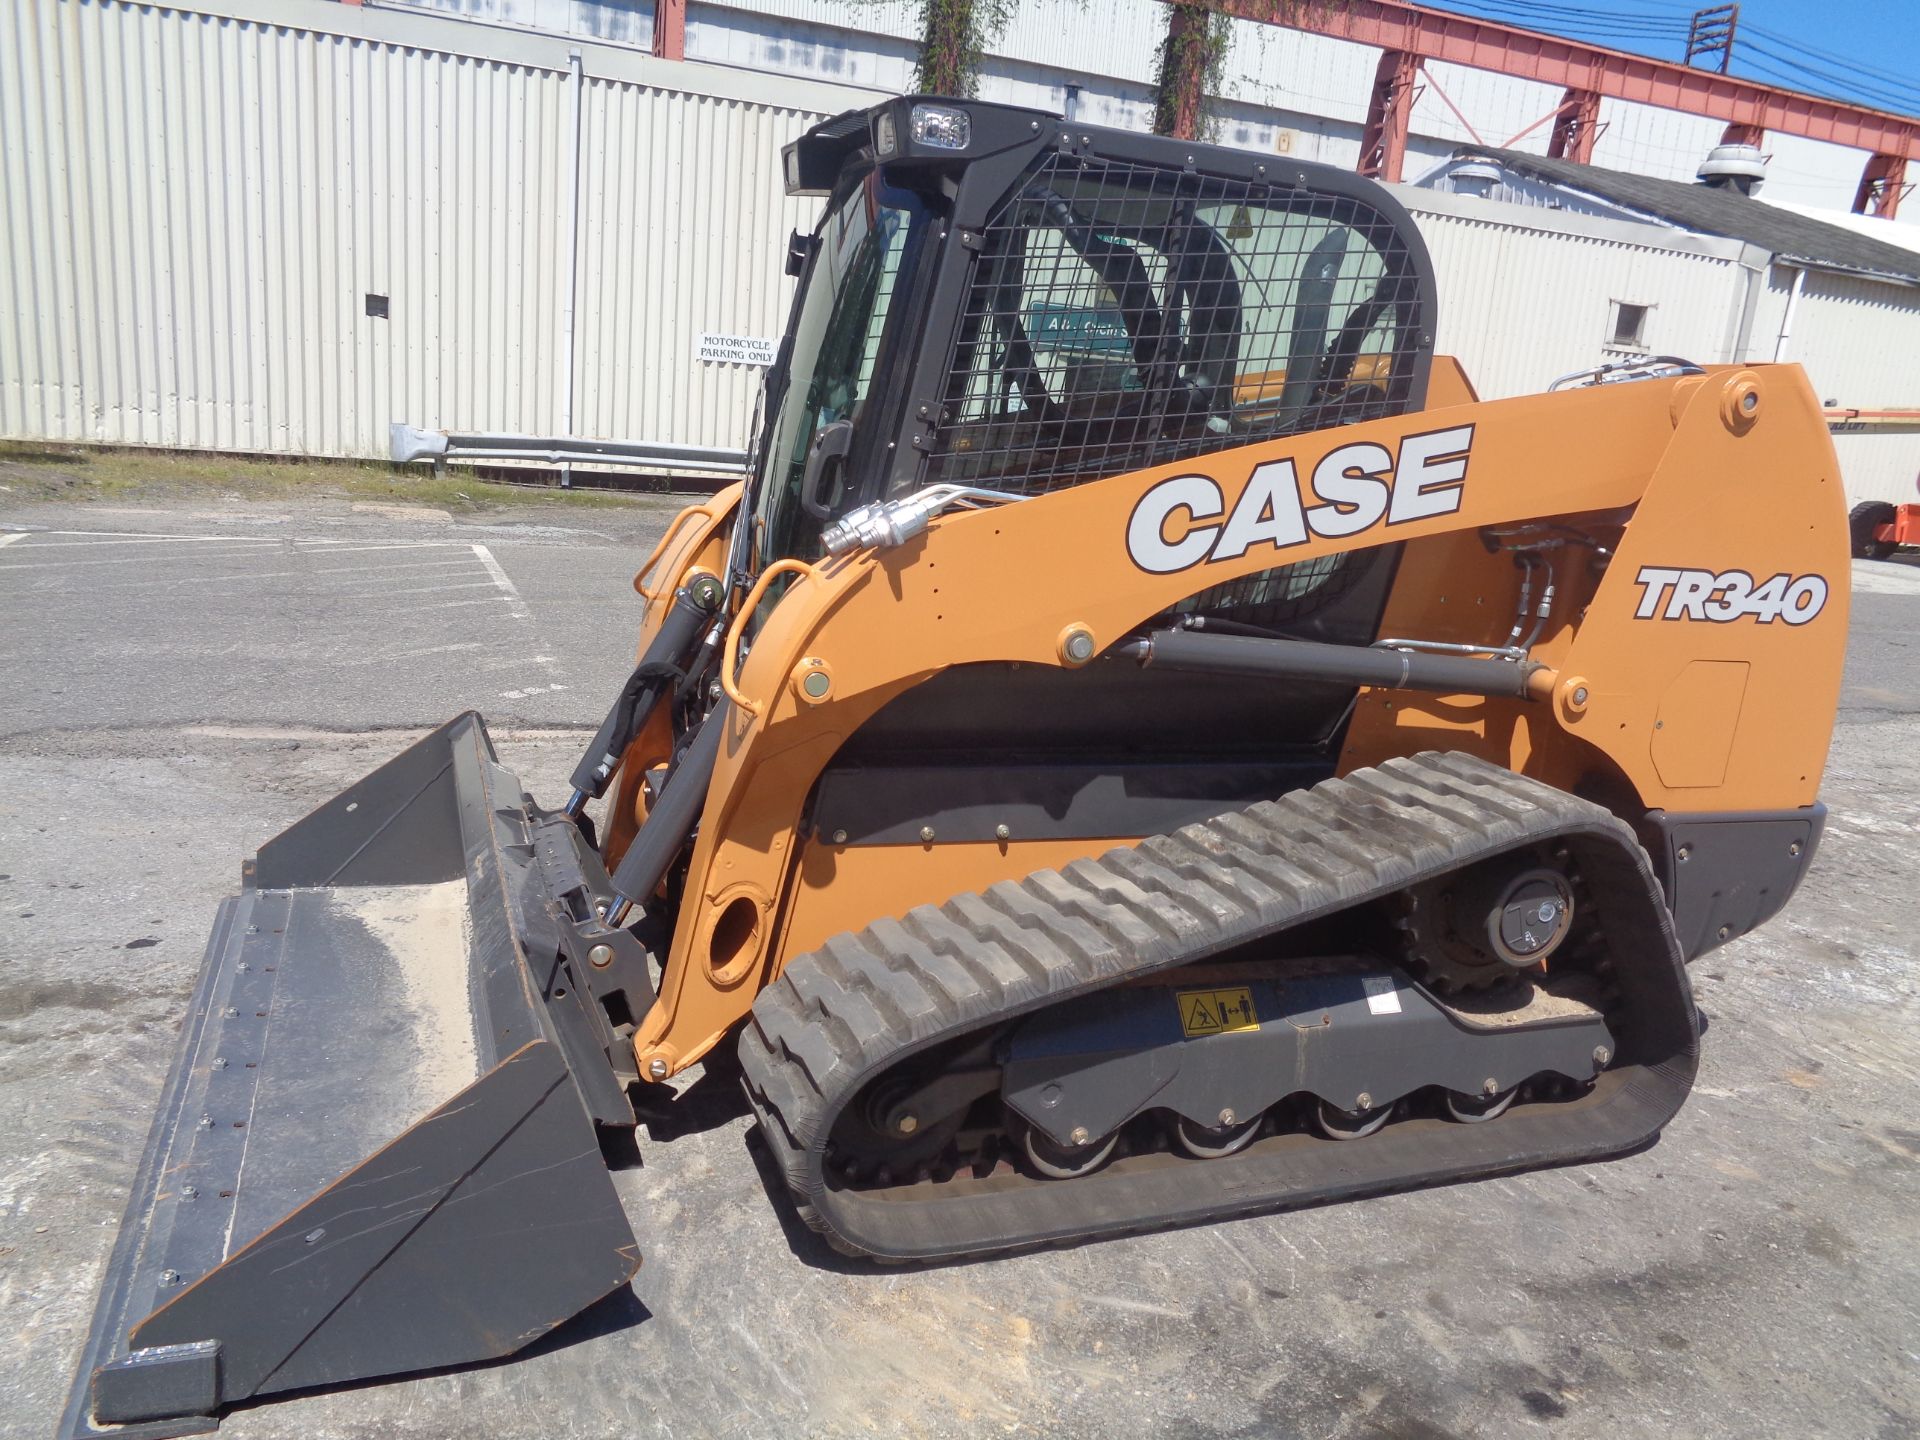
[
  {"x": 1278, "y": 598},
  {"x": 1124, "y": 315}
]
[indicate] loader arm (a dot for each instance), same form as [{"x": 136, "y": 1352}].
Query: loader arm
[{"x": 1692, "y": 479}]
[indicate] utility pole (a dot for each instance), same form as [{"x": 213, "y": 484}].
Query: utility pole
[{"x": 1712, "y": 32}]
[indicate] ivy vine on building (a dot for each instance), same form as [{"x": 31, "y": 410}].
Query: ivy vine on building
[
  {"x": 1190, "y": 79},
  {"x": 1192, "y": 67},
  {"x": 1190, "y": 74},
  {"x": 954, "y": 36}
]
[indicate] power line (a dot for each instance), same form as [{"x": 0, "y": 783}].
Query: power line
[
  {"x": 1884, "y": 94},
  {"x": 1567, "y": 15},
  {"x": 1578, "y": 24},
  {"x": 1798, "y": 79},
  {"x": 1869, "y": 70},
  {"x": 1679, "y": 16},
  {"x": 1582, "y": 25},
  {"x": 1806, "y": 65}
]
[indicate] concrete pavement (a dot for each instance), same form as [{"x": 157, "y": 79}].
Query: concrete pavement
[{"x": 171, "y": 704}]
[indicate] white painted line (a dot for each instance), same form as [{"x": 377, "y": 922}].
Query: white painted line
[
  {"x": 516, "y": 607},
  {"x": 129, "y": 534},
  {"x": 245, "y": 575},
  {"x": 343, "y": 547},
  {"x": 158, "y": 583},
  {"x": 387, "y": 656},
  {"x": 6, "y": 540},
  {"x": 378, "y": 568},
  {"x": 416, "y": 590},
  {"x": 139, "y": 537},
  {"x": 334, "y": 544},
  {"x": 198, "y": 556},
  {"x": 530, "y": 692}
]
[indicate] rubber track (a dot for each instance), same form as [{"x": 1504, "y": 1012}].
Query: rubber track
[{"x": 865, "y": 1001}]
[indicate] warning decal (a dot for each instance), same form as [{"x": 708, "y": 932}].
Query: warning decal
[{"x": 1216, "y": 1012}]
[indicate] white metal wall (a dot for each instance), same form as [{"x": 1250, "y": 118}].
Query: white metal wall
[
  {"x": 1526, "y": 296},
  {"x": 194, "y": 207},
  {"x": 1879, "y": 463},
  {"x": 683, "y": 230},
  {"x": 1860, "y": 342},
  {"x": 1859, "y": 338}
]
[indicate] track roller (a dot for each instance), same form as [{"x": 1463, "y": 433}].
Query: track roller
[
  {"x": 1472, "y": 1109},
  {"x": 1215, "y": 1142},
  {"x": 1338, "y": 1124},
  {"x": 1066, "y": 1162}
]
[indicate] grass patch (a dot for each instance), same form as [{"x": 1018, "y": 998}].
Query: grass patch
[{"x": 72, "y": 472}]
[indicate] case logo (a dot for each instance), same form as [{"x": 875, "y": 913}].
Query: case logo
[
  {"x": 1728, "y": 596},
  {"x": 1183, "y": 521}
]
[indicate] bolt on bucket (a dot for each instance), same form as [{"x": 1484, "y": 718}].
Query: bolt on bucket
[{"x": 377, "y": 1149}]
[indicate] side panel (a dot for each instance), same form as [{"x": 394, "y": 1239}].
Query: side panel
[
  {"x": 1448, "y": 384},
  {"x": 1710, "y": 650},
  {"x": 687, "y": 540},
  {"x": 1451, "y": 589}
]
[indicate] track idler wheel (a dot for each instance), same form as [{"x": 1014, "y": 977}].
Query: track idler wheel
[
  {"x": 1066, "y": 1162},
  {"x": 1338, "y": 1124},
  {"x": 879, "y": 1138},
  {"x": 1215, "y": 1142}
]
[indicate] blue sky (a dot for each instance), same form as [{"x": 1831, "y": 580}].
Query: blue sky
[{"x": 1862, "y": 50}]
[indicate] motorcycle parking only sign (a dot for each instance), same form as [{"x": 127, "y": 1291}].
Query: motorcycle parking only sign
[{"x": 735, "y": 349}]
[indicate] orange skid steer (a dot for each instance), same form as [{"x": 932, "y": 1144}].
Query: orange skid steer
[{"x": 1147, "y": 745}]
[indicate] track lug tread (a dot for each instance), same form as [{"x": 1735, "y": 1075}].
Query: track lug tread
[{"x": 867, "y": 1000}]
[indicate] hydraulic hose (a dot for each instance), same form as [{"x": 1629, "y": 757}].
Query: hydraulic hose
[
  {"x": 660, "y": 668},
  {"x": 671, "y": 820}
]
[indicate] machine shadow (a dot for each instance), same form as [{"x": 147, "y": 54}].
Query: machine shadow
[
  {"x": 712, "y": 1100},
  {"x": 808, "y": 1245}
]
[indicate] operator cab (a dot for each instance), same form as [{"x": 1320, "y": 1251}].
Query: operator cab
[{"x": 996, "y": 298}]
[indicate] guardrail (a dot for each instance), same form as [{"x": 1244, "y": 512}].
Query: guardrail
[
  {"x": 1845, "y": 418},
  {"x": 408, "y": 442}
]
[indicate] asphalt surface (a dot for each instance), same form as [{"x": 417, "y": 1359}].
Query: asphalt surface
[
  {"x": 176, "y": 696},
  {"x": 350, "y": 620}
]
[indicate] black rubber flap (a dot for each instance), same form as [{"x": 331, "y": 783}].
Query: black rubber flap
[{"x": 370, "y": 1156}]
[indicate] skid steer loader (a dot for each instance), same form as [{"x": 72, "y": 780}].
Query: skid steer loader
[{"x": 1147, "y": 745}]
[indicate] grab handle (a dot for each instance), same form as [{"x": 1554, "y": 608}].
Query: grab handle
[
  {"x": 660, "y": 547},
  {"x": 729, "y": 658}
]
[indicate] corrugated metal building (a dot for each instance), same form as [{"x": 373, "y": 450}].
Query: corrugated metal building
[
  {"x": 281, "y": 225},
  {"x": 1843, "y": 303},
  {"x": 1287, "y": 90}
]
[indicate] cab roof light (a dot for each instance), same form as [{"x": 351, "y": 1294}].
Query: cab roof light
[{"x": 941, "y": 127}]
